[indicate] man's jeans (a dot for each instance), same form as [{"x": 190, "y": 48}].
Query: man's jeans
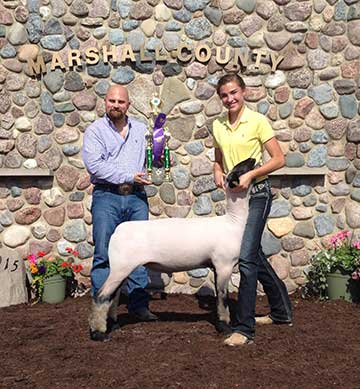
[
  {"x": 254, "y": 266},
  {"x": 108, "y": 210}
]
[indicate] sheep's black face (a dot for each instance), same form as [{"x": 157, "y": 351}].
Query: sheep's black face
[{"x": 233, "y": 178}]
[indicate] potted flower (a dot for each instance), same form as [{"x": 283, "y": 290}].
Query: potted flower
[
  {"x": 335, "y": 272},
  {"x": 48, "y": 276}
]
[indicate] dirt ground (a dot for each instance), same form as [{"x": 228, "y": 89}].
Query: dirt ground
[{"x": 47, "y": 346}]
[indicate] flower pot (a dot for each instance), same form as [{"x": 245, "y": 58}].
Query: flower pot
[
  {"x": 342, "y": 286},
  {"x": 54, "y": 290}
]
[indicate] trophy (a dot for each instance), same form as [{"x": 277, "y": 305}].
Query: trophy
[{"x": 157, "y": 139}]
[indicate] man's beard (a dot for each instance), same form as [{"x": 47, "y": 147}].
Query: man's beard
[{"x": 115, "y": 114}]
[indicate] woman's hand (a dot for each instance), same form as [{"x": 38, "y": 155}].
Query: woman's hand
[
  {"x": 244, "y": 183},
  {"x": 219, "y": 178}
]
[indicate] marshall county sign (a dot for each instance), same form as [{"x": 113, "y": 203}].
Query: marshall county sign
[{"x": 184, "y": 53}]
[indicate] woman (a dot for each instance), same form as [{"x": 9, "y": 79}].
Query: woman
[{"x": 241, "y": 135}]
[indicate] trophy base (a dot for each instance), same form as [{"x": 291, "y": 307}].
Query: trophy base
[{"x": 158, "y": 175}]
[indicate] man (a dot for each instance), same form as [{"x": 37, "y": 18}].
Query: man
[{"x": 114, "y": 155}]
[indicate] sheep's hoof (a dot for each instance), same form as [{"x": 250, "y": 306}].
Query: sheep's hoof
[
  {"x": 223, "y": 327},
  {"x": 112, "y": 325},
  {"x": 99, "y": 336}
]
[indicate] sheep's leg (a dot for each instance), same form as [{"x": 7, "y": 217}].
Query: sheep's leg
[
  {"x": 222, "y": 277},
  {"x": 101, "y": 304},
  {"x": 112, "y": 320}
]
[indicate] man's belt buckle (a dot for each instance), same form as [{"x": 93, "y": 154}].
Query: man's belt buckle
[{"x": 125, "y": 189}]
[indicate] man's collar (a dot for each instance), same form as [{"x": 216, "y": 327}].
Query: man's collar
[{"x": 112, "y": 125}]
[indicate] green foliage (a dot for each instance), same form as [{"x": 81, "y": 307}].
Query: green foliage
[
  {"x": 343, "y": 256},
  {"x": 41, "y": 268}
]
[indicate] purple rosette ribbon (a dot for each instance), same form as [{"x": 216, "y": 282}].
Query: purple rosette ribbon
[{"x": 158, "y": 137}]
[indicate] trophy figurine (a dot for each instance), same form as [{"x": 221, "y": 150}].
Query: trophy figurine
[{"x": 157, "y": 139}]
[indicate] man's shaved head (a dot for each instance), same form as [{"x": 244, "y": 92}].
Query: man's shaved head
[{"x": 117, "y": 102}]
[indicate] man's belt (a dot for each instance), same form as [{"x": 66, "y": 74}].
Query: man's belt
[{"x": 122, "y": 189}]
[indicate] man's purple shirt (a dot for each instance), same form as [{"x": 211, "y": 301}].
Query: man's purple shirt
[{"x": 108, "y": 157}]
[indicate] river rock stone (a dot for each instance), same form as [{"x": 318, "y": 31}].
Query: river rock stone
[
  {"x": 201, "y": 166},
  {"x": 5, "y": 102},
  {"x": 14, "y": 205},
  {"x": 53, "y": 197},
  {"x": 67, "y": 177},
  {"x": 66, "y": 135},
  {"x": 337, "y": 164},
  {"x": 203, "y": 184},
  {"x": 354, "y": 32},
  {"x": 55, "y": 216},
  {"x": 6, "y": 218},
  {"x": 13, "y": 160},
  {"x": 198, "y": 29},
  {"x": 51, "y": 159},
  {"x": 181, "y": 177},
  {"x": 85, "y": 250},
  {"x": 298, "y": 11},
  {"x": 27, "y": 215},
  {"x": 321, "y": 94},
  {"x": 17, "y": 34},
  {"x": 75, "y": 231},
  {"x": 271, "y": 245},
  {"x": 202, "y": 205},
  {"x": 141, "y": 11},
  {"x": 348, "y": 106},
  {"x": 15, "y": 236},
  {"x": 167, "y": 193},
  {"x": 174, "y": 92},
  {"x": 280, "y": 226},
  {"x": 300, "y": 78},
  {"x": 73, "y": 82},
  {"x": 324, "y": 224},
  {"x": 304, "y": 229},
  {"x": 75, "y": 210},
  {"x": 352, "y": 211},
  {"x": 279, "y": 209},
  {"x": 26, "y": 145}
]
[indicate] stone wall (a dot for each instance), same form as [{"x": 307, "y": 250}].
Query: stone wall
[{"x": 311, "y": 100}]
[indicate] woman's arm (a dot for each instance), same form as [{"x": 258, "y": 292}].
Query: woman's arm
[
  {"x": 219, "y": 175},
  {"x": 276, "y": 161}
]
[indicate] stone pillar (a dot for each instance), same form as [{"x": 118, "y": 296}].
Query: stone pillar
[{"x": 12, "y": 278}]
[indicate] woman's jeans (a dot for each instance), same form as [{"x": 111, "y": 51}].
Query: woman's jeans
[
  {"x": 254, "y": 266},
  {"x": 109, "y": 209}
]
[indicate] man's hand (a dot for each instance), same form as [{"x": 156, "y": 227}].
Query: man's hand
[{"x": 138, "y": 178}]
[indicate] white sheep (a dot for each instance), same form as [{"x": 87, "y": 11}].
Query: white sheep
[{"x": 173, "y": 245}]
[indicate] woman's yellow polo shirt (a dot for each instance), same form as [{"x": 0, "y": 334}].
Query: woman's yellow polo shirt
[{"x": 244, "y": 141}]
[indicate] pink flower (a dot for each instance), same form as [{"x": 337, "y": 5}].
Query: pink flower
[
  {"x": 357, "y": 245},
  {"x": 355, "y": 275},
  {"x": 32, "y": 258}
]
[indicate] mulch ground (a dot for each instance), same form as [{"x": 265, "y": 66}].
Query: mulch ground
[{"x": 47, "y": 346}]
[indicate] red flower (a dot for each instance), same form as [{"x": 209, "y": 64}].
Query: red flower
[
  {"x": 41, "y": 254},
  {"x": 65, "y": 264},
  {"x": 75, "y": 253},
  {"x": 69, "y": 249},
  {"x": 77, "y": 268}
]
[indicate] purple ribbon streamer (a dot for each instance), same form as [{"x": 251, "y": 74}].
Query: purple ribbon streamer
[{"x": 158, "y": 137}]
